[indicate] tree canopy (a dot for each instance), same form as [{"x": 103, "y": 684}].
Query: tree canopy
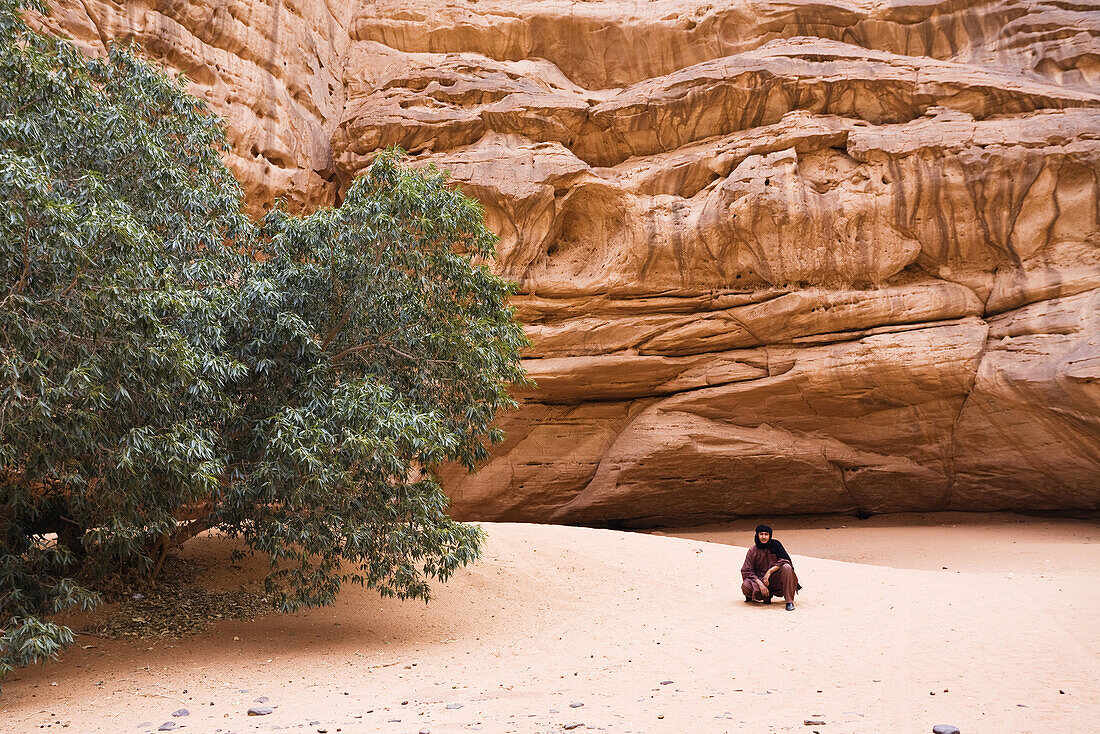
[{"x": 168, "y": 365}]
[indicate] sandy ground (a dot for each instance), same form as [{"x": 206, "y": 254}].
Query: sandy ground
[{"x": 627, "y": 632}]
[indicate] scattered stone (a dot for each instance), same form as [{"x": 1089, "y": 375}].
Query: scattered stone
[
  {"x": 144, "y": 725},
  {"x": 167, "y": 726},
  {"x": 575, "y": 705},
  {"x": 574, "y": 725},
  {"x": 666, "y": 682},
  {"x": 945, "y": 729},
  {"x": 181, "y": 712},
  {"x": 260, "y": 711},
  {"x": 814, "y": 722},
  {"x": 261, "y": 699},
  {"x": 425, "y": 731},
  {"x": 454, "y": 705}
]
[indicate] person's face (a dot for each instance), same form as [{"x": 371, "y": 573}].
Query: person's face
[{"x": 764, "y": 536}]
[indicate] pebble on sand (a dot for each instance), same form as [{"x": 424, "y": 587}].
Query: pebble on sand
[
  {"x": 814, "y": 722},
  {"x": 167, "y": 726},
  {"x": 574, "y": 725},
  {"x": 260, "y": 711},
  {"x": 945, "y": 729},
  {"x": 181, "y": 712}
]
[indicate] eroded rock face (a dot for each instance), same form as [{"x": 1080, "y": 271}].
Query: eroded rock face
[
  {"x": 774, "y": 257},
  {"x": 273, "y": 69}
]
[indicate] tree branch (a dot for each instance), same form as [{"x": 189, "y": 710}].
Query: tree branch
[
  {"x": 183, "y": 534},
  {"x": 336, "y": 329}
]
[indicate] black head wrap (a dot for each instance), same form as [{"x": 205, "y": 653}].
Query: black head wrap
[{"x": 773, "y": 545}]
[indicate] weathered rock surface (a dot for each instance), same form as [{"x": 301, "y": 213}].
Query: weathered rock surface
[
  {"x": 774, "y": 257},
  {"x": 273, "y": 69}
]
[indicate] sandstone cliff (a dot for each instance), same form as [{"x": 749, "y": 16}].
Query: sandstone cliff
[{"x": 774, "y": 257}]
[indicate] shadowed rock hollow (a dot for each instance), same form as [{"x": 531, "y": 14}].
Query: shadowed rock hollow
[{"x": 789, "y": 257}]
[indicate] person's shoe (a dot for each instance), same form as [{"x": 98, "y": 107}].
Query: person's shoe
[{"x": 790, "y": 606}]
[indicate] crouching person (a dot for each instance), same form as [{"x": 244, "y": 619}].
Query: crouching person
[{"x": 768, "y": 571}]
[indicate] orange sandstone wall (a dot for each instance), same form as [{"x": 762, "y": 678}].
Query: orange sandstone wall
[{"x": 774, "y": 257}]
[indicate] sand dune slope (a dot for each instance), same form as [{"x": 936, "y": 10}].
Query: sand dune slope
[{"x": 648, "y": 633}]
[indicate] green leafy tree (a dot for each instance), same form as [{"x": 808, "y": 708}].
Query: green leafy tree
[{"x": 168, "y": 366}]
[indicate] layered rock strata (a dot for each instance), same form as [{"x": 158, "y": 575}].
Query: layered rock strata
[
  {"x": 774, "y": 257},
  {"x": 272, "y": 69}
]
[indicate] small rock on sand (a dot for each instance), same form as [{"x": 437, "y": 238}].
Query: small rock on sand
[
  {"x": 260, "y": 711},
  {"x": 181, "y": 712},
  {"x": 575, "y": 725},
  {"x": 454, "y": 705},
  {"x": 575, "y": 705},
  {"x": 814, "y": 722},
  {"x": 167, "y": 726},
  {"x": 945, "y": 729}
]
